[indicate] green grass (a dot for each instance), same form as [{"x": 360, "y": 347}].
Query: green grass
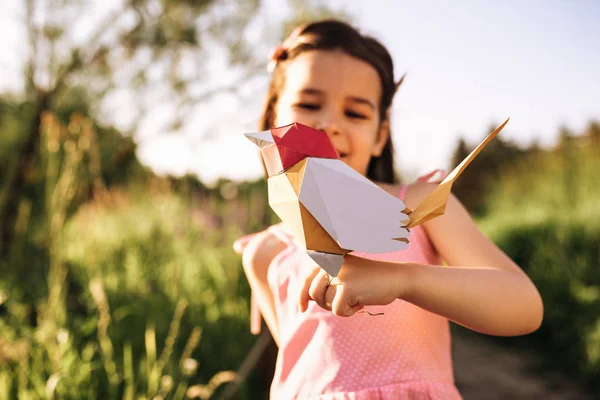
[
  {"x": 136, "y": 293},
  {"x": 144, "y": 274}
]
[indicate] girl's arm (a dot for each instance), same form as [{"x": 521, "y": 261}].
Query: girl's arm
[
  {"x": 256, "y": 258},
  {"x": 481, "y": 288}
]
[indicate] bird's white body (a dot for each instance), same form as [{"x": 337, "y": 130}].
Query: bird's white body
[{"x": 357, "y": 213}]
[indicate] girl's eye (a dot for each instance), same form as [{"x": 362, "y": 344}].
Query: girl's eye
[
  {"x": 356, "y": 115},
  {"x": 308, "y": 106}
]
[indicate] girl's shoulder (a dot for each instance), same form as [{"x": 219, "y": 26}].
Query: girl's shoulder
[
  {"x": 417, "y": 192},
  {"x": 412, "y": 194}
]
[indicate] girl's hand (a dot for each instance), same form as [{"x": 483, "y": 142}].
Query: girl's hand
[
  {"x": 361, "y": 282},
  {"x": 240, "y": 245}
]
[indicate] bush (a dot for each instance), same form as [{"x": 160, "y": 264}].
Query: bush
[
  {"x": 544, "y": 215},
  {"x": 562, "y": 260}
]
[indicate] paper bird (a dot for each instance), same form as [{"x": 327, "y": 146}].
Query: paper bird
[{"x": 331, "y": 208}]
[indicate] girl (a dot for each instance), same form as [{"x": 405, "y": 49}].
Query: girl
[{"x": 330, "y": 77}]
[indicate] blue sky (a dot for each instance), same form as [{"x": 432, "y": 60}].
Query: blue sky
[
  {"x": 469, "y": 64},
  {"x": 473, "y": 62}
]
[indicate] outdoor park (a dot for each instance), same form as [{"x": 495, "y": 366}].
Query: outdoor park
[{"x": 118, "y": 279}]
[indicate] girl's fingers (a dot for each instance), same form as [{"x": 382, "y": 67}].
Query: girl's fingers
[
  {"x": 303, "y": 295},
  {"x": 329, "y": 296},
  {"x": 318, "y": 287},
  {"x": 343, "y": 305}
]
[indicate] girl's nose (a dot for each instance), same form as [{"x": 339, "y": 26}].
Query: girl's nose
[{"x": 329, "y": 127}]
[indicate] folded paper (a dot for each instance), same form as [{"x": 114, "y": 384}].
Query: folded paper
[{"x": 331, "y": 208}]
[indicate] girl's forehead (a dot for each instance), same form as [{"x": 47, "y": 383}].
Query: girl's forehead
[{"x": 333, "y": 72}]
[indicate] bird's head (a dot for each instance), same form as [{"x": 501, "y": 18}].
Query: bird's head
[{"x": 283, "y": 147}]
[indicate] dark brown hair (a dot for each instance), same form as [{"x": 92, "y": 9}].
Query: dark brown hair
[{"x": 337, "y": 35}]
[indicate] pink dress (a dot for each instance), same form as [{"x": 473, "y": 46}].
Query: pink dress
[{"x": 403, "y": 354}]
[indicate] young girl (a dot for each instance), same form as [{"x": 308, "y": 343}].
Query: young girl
[{"x": 328, "y": 76}]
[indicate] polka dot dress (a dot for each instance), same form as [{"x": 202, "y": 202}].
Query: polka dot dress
[{"x": 403, "y": 354}]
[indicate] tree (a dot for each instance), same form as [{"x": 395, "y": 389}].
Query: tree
[
  {"x": 154, "y": 52},
  {"x": 593, "y": 133},
  {"x": 465, "y": 187},
  {"x": 483, "y": 172}
]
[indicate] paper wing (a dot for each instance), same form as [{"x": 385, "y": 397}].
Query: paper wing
[
  {"x": 353, "y": 210},
  {"x": 434, "y": 205}
]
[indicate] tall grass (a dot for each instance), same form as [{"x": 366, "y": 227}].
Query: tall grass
[{"x": 145, "y": 298}]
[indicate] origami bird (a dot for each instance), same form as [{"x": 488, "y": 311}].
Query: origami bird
[{"x": 331, "y": 208}]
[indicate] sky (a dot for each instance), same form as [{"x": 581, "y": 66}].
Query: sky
[{"x": 469, "y": 64}]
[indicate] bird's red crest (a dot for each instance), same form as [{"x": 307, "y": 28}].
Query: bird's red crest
[{"x": 293, "y": 143}]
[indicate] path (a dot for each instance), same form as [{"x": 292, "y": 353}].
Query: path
[{"x": 485, "y": 371}]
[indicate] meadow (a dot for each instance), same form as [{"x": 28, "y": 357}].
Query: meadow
[{"x": 129, "y": 288}]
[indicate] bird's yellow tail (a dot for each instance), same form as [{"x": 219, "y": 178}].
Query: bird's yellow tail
[{"x": 434, "y": 205}]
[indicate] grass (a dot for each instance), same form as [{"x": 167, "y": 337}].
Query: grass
[{"x": 137, "y": 294}]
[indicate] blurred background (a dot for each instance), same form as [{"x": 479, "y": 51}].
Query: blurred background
[{"x": 124, "y": 180}]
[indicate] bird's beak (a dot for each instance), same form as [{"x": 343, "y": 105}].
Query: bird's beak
[{"x": 261, "y": 139}]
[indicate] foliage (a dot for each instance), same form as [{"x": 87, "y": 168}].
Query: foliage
[
  {"x": 85, "y": 157},
  {"x": 171, "y": 55},
  {"x": 546, "y": 220},
  {"x": 69, "y": 71},
  {"x": 483, "y": 172},
  {"x": 101, "y": 289}
]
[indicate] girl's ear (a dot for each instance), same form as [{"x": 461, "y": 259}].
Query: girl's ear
[{"x": 382, "y": 136}]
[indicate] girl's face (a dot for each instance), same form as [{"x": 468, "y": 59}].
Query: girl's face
[{"x": 340, "y": 94}]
